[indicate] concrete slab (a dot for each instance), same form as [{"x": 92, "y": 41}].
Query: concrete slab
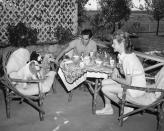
[{"x": 76, "y": 115}]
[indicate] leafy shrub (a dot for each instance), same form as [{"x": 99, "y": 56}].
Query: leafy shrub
[{"x": 21, "y": 35}]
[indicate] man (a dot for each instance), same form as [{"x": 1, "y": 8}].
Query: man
[{"x": 84, "y": 44}]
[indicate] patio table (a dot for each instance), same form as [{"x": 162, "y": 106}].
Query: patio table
[{"x": 72, "y": 74}]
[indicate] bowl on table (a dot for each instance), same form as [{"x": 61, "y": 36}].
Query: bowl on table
[{"x": 98, "y": 61}]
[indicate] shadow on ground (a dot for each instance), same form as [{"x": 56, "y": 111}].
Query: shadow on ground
[{"x": 76, "y": 115}]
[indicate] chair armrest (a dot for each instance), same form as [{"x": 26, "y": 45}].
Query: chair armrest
[
  {"x": 27, "y": 81},
  {"x": 147, "y": 89},
  {"x": 150, "y": 78},
  {"x": 37, "y": 81}
]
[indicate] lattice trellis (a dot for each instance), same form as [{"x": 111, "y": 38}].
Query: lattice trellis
[{"x": 45, "y": 15}]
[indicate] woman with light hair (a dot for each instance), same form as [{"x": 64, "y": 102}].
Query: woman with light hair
[{"x": 131, "y": 73}]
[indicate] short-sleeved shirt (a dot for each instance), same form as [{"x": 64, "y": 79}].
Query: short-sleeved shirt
[
  {"x": 78, "y": 46},
  {"x": 132, "y": 66}
]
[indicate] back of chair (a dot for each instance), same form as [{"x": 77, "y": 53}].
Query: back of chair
[
  {"x": 12, "y": 92},
  {"x": 159, "y": 79},
  {"x": 5, "y": 57},
  {"x": 156, "y": 107}
]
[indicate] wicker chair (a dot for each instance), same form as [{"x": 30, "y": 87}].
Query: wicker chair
[
  {"x": 11, "y": 93},
  {"x": 157, "y": 107}
]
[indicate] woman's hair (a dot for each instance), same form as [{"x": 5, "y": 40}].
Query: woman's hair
[
  {"x": 87, "y": 32},
  {"x": 122, "y": 36}
]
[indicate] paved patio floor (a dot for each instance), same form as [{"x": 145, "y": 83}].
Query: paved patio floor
[{"x": 76, "y": 115}]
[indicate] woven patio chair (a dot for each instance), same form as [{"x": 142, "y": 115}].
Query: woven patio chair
[
  {"x": 11, "y": 93},
  {"x": 157, "y": 107}
]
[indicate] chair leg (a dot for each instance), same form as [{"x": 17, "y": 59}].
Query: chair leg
[
  {"x": 160, "y": 117},
  {"x": 121, "y": 113},
  {"x": 7, "y": 102},
  {"x": 40, "y": 103},
  {"x": 54, "y": 85},
  {"x": 122, "y": 107}
]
